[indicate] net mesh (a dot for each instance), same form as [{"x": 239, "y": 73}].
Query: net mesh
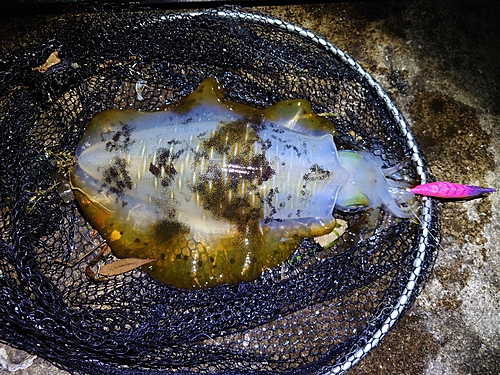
[{"x": 318, "y": 313}]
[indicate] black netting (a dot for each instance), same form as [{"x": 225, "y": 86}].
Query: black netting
[{"x": 319, "y": 313}]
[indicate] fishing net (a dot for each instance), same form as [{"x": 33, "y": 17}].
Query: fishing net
[{"x": 318, "y": 313}]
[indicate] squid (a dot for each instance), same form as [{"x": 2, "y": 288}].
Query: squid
[{"x": 218, "y": 191}]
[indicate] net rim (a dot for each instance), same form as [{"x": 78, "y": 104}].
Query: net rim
[{"x": 425, "y": 238}]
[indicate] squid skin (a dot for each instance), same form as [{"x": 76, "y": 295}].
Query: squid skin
[
  {"x": 449, "y": 190},
  {"x": 219, "y": 191}
]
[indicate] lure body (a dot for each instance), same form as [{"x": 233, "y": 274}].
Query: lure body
[
  {"x": 218, "y": 191},
  {"x": 449, "y": 190}
]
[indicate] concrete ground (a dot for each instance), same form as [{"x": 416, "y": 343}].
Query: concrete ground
[{"x": 439, "y": 60}]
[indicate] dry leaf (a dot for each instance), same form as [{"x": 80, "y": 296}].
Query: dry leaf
[
  {"x": 330, "y": 238},
  {"x": 51, "y": 61},
  {"x": 123, "y": 265}
]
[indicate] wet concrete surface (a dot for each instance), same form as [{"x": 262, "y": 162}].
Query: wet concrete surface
[{"x": 439, "y": 61}]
